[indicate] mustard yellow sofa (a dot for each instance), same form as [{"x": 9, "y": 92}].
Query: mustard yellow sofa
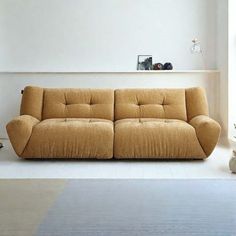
[{"x": 106, "y": 124}]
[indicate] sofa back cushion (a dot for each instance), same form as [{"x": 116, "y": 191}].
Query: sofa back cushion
[
  {"x": 183, "y": 104},
  {"x": 78, "y": 103},
  {"x": 150, "y": 103}
]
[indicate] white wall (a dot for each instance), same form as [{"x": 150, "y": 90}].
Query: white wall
[
  {"x": 104, "y": 35},
  {"x": 232, "y": 67},
  {"x": 222, "y": 62}
]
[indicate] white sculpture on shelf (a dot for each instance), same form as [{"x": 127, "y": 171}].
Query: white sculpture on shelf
[
  {"x": 196, "y": 48},
  {"x": 232, "y": 162}
]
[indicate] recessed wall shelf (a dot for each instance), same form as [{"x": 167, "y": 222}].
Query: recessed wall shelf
[{"x": 111, "y": 72}]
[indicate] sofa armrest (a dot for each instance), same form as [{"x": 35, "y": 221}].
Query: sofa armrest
[
  {"x": 207, "y": 131},
  {"x": 19, "y": 131}
]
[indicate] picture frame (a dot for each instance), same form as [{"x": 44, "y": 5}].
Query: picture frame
[{"x": 144, "y": 62}]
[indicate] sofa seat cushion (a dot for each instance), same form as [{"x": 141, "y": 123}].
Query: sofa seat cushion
[
  {"x": 71, "y": 138},
  {"x": 156, "y": 138}
]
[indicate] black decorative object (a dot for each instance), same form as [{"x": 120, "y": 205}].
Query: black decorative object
[
  {"x": 144, "y": 62},
  {"x": 168, "y": 66},
  {"x": 158, "y": 66}
]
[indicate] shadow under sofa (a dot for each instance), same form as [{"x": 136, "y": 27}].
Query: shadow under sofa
[{"x": 120, "y": 124}]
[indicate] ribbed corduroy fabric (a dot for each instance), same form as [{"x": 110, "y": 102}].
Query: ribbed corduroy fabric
[{"x": 78, "y": 123}]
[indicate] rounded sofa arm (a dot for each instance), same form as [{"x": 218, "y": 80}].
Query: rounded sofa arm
[
  {"x": 19, "y": 131},
  {"x": 207, "y": 131}
]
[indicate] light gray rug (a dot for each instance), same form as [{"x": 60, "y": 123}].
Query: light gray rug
[{"x": 143, "y": 208}]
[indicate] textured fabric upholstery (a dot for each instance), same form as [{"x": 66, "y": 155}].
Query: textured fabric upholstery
[
  {"x": 196, "y": 102},
  {"x": 32, "y": 102},
  {"x": 78, "y": 123},
  {"x": 207, "y": 131},
  {"x": 78, "y": 103},
  {"x": 150, "y": 103},
  {"x": 19, "y": 131},
  {"x": 71, "y": 138},
  {"x": 156, "y": 138}
]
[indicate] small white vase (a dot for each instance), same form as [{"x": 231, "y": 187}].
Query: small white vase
[
  {"x": 232, "y": 142},
  {"x": 232, "y": 162}
]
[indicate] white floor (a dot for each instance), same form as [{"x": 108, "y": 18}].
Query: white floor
[{"x": 215, "y": 167}]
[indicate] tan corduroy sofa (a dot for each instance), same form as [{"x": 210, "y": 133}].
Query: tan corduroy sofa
[{"x": 121, "y": 124}]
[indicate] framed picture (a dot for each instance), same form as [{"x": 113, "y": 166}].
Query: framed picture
[{"x": 144, "y": 62}]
